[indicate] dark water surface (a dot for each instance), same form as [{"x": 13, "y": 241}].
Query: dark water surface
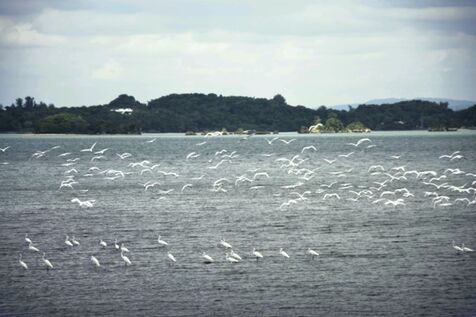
[{"x": 375, "y": 259}]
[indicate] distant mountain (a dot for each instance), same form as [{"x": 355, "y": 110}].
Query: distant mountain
[{"x": 454, "y": 104}]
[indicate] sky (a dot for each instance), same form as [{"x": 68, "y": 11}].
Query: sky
[{"x": 314, "y": 53}]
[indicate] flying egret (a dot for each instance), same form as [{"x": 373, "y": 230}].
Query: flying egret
[
  {"x": 360, "y": 142},
  {"x": 89, "y": 149}
]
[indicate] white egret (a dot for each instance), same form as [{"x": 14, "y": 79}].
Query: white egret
[
  {"x": 283, "y": 253},
  {"x": 186, "y": 186},
  {"x": 330, "y": 161},
  {"x": 272, "y": 140},
  {"x": 257, "y": 254},
  {"x": 116, "y": 245},
  {"x": 312, "y": 253},
  {"x": 23, "y": 264},
  {"x": 360, "y": 142},
  {"x": 225, "y": 244},
  {"x": 32, "y": 247},
  {"x": 231, "y": 259},
  {"x": 206, "y": 258},
  {"x": 125, "y": 259},
  {"x": 171, "y": 257},
  {"x": 46, "y": 262},
  {"x": 95, "y": 261},
  {"x": 161, "y": 242},
  {"x": 309, "y": 147},
  {"x": 75, "y": 242},
  {"x": 89, "y": 149},
  {"x": 286, "y": 141},
  {"x": 457, "y": 247},
  {"x": 28, "y": 240},
  {"x": 466, "y": 249},
  {"x": 235, "y": 255},
  {"x": 102, "y": 243},
  {"x": 67, "y": 242},
  {"x": 123, "y": 248}
]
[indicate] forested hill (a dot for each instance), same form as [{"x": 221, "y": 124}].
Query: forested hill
[{"x": 198, "y": 112}]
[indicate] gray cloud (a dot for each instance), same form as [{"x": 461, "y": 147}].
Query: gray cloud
[{"x": 87, "y": 52}]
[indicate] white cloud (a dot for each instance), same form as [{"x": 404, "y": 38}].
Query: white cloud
[
  {"x": 23, "y": 34},
  {"x": 313, "y": 53}
]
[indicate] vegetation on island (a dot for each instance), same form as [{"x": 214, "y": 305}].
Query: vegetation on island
[{"x": 200, "y": 112}]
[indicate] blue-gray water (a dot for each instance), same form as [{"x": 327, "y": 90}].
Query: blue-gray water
[{"x": 375, "y": 259}]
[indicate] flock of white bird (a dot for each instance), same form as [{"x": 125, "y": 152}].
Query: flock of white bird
[
  {"x": 387, "y": 190},
  {"x": 230, "y": 255}
]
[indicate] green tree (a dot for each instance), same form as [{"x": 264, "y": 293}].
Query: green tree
[
  {"x": 62, "y": 123},
  {"x": 333, "y": 124},
  {"x": 356, "y": 126}
]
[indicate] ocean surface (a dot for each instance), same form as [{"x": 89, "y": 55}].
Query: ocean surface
[{"x": 384, "y": 233}]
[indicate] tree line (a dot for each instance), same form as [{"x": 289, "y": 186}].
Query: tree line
[{"x": 198, "y": 112}]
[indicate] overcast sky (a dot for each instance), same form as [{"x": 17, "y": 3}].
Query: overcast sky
[{"x": 314, "y": 53}]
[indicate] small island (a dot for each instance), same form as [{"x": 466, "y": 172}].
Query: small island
[{"x": 201, "y": 113}]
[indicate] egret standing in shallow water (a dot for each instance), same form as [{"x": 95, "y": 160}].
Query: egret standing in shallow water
[
  {"x": 171, "y": 257},
  {"x": 125, "y": 259},
  {"x": 257, "y": 254},
  {"x": 46, "y": 262},
  {"x": 95, "y": 261},
  {"x": 225, "y": 244},
  {"x": 23, "y": 264},
  {"x": 32, "y": 247},
  {"x": 235, "y": 255},
  {"x": 231, "y": 259},
  {"x": 67, "y": 242},
  {"x": 123, "y": 248},
  {"x": 312, "y": 253},
  {"x": 28, "y": 240},
  {"x": 466, "y": 249},
  {"x": 283, "y": 253},
  {"x": 161, "y": 242},
  {"x": 75, "y": 242},
  {"x": 206, "y": 258},
  {"x": 457, "y": 248},
  {"x": 102, "y": 243}
]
